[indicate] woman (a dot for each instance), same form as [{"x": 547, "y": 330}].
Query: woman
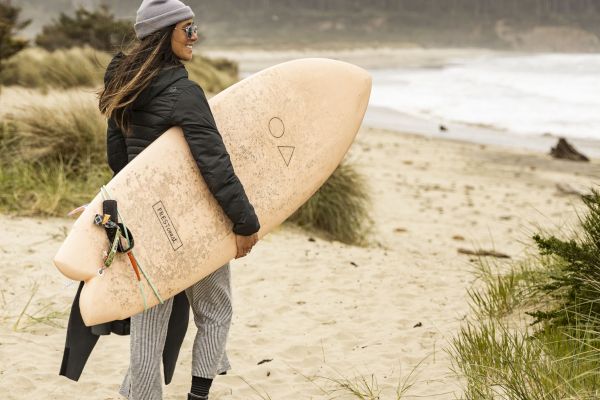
[{"x": 147, "y": 92}]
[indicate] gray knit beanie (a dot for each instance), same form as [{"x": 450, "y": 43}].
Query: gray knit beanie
[{"x": 153, "y": 15}]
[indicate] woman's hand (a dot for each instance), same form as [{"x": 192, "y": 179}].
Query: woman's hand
[{"x": 244, "y": 244}]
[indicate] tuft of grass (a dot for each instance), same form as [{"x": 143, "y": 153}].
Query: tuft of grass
[
  {"x": 556, "y": 357},
  {"x": 39, "y": 68},
  {"x": 72, "y": 131},
  {"x": 85, "y": 67},
  {"x": 363, "y": 387},
  {"x": 213, "y": 75},
  {"x": 53, "y": 157},
  {"x": 34, "y": 289},
  {"x": 500, "y": 295},
  {"x": 339, "y": 209},
  {"x": 50, "y": 189},
  {"x": 263, "y": 396},
  {"x": 499, "y": 362},
  {"x": 44, "y": 315}
]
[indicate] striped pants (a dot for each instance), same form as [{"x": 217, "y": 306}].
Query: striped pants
[{"x": 210, "y": 300}]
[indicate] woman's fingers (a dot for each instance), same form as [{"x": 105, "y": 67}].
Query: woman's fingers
[{"x": 244, "y": 244}]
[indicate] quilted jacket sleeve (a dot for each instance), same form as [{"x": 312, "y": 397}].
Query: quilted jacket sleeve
[
  {"x": 192, "y": 113},
  {"x": 116, "y": 149}
]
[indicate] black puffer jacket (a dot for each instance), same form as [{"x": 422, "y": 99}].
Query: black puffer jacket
[{"x": 174, "y": 100}]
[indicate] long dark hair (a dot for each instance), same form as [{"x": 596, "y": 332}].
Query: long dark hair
[{"x": 134, "y": 73}]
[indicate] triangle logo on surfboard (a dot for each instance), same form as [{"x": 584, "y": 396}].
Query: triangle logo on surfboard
[{"x": 286, "y": 152}]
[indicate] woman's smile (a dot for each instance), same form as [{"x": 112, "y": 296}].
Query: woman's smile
[{"x": 183, "y": 39}]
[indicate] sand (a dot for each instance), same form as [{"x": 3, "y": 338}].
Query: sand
[{"x": 309, "y": 312}]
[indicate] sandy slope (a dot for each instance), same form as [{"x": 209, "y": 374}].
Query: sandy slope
[{"x": 319, "y": 310}]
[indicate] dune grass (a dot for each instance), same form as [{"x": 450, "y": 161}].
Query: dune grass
[
  {"x": 500, "y": 362},
  {"x": 535, "y": 331},
  {"x": 84, "y": 67},
  {"x": 53, "y": 157},
  {"x": 365, "y": 387},
  {"x": 45, "y": 314},
  {"x": 213, "y": 75},
  {"x": 72, "y": 131},
  {"x": 50, "y": 189},
  {"x": 339, "y": 209},
  {"x": 498, "y": 296},
  {"x": 361, "y": 387},
  {"x": 39, "y": 68}
]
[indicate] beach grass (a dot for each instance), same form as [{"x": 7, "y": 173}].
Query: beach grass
[
  {"x": 214, "y": 75},
  {"x": 51, "y": 189},
  {"x": 534, "y": 332},
  {"x": 53, "y": 157},
  {"x": 497, "y": 296},
  {"x": 33, "y": 292},
  {"x": 364, "y": 387},
  {"x": 339, "y": 209},
  {"x": 72, "y": 131},
  {"x": 84, "y": 67},
  {"x": 361, "y": 387},
  {"x": 64, "y": 68},
  {"x": 260, "y": 393},
  {"x": 43, "y": 315},
  {"x": 501, "y": 361}
]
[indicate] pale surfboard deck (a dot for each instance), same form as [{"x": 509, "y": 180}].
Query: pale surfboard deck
[{"x": 286, "y": 129}]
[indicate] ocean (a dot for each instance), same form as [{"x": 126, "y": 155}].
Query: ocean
[
  {"x": 480, "y": 96},
  {"x": 534, "y": 95}
]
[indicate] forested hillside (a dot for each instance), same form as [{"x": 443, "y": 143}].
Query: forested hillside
[{"x": 489, "y": 23}]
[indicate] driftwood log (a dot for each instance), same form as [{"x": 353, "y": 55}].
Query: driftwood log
[
  {"x": 564, "y": 150},
  {"x": 483, "y": 253}
]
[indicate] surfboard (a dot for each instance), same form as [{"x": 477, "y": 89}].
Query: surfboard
[{"x": 286, "y": 129}]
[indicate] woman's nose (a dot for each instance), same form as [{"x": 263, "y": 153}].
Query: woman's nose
[{"x": 198, "y": 37}]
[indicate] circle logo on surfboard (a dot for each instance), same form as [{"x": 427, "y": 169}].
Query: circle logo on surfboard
[{"x": 277, "y": 130}]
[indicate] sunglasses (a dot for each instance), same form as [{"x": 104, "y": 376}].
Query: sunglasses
[{"x": 190, "y": 31}]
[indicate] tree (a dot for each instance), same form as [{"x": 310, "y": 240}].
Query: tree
[
  {"x": 98, "y": 28},
  {"x": 9, "y": 25}
]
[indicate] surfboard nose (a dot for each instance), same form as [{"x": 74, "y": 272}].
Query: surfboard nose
[
  {"x": 338, "y": 71},
  {"x": 364, "y": 84},
  {"x": 353, "y": 81}
]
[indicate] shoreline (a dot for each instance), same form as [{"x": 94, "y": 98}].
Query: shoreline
[
  {"x": 253, "y": 60},
  {"x": 396, "y": 121}
]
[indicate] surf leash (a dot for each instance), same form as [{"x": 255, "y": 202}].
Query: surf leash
[{"x": 123, "y": 232}]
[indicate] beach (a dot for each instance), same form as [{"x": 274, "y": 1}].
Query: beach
[{"x": 310, "y": 314}]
